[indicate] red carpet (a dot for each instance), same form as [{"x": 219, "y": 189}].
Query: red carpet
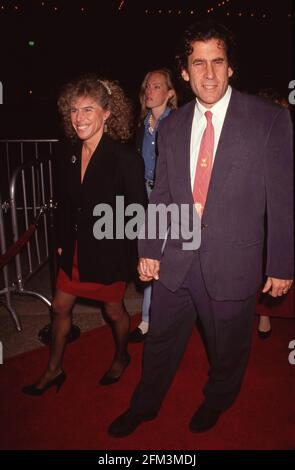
[{"x": 263, "y": 417}]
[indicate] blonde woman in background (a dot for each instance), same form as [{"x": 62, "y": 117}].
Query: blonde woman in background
[{"x": 157, "y": 99}]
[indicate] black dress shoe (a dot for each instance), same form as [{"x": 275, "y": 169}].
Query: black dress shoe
[
  {"x": 108, "y": 378},
  {"x": 204, "y": 419},
  {"x": 264, "y": 334},
  {"x": 126, "y": 423},
  {"x": 136, "y": 336},
  {"x": 34, "y": 391}
]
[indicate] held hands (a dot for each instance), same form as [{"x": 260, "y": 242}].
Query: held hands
[
  {"x": 148, "y": 269},
  {"x": 59, "y": 250},
  {"x": 277, "y": 287}
]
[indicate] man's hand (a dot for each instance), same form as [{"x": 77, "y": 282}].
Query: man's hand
[
  {"x": 148, "y": 269},
  {"x": 277, "y": 287}
]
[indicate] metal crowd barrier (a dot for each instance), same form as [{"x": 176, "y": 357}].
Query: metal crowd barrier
[
  {"x": 14, "y": 153},
  {"x": 30, "y": 190},
  {"x": 6, "y": 289}
]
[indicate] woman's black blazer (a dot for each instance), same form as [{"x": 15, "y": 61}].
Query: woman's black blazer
[{"x": 114, "y": 170}]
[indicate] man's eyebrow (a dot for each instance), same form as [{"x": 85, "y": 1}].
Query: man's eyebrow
[{"x": 199, "y": 59}]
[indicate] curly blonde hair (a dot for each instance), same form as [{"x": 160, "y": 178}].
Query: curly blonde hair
[
  {"x": 172, "y": 102},
  {"x": 109, "y": 95}
]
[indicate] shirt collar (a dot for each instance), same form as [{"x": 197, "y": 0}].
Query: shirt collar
[
  {"x": 219, "y": 108},
  {"x": 163, "y": 115}
]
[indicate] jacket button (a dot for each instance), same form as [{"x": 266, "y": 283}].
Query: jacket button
[
  {"x": 76, "y": 227},
  {"x": 79, "y": 209}
]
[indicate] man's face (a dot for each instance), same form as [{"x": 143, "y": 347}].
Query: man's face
[{"x": 208, "y": 71}]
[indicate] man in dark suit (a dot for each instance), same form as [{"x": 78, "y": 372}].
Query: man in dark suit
[{"x": 248, "y": 143}]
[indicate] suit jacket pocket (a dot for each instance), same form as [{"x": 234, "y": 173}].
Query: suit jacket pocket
[{"x": 249, "y": 242}]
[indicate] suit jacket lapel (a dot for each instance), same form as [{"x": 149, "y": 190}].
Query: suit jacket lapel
[
  {"x": 181, "y": 147},
  {"x": 232, "y": 140}
]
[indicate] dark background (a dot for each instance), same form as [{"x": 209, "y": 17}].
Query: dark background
[{"x": 122, "y": 40}]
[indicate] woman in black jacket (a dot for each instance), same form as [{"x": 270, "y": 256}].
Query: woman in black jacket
[{"x": 95, "y": 262}]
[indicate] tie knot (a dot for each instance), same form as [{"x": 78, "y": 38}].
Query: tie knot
[{"x": 208, "y": 115}]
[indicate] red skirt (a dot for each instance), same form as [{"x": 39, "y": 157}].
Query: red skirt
[{"x": 90, "y": 290}]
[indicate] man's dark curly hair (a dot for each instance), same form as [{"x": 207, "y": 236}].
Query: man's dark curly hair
[{"x": 204, "y": 31}]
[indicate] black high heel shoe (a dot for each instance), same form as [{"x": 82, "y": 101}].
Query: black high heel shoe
[
  {"x": 264, "y": 334},
  {"x": 108, "y": 379},
  {"x": 34, "y": 391}
]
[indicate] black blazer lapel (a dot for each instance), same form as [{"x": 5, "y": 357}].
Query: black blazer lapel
[{"x": 75, "y": 165}]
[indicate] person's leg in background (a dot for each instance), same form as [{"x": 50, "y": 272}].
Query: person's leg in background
[
  {"x": 264, "y": 327},
  {"x": 138, "y": 335}
]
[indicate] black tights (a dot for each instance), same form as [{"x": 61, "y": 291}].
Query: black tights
[
  {"x": 61, "y": 324},
  {"x": 120, "y": 324}
]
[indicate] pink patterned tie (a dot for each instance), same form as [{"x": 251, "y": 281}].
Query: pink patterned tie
[{"x": 204, "y": 166}]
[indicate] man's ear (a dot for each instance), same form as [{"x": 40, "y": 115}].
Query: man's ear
[
  {"x": 230, "y": 72},
  {"x": 185, "y": 75}
]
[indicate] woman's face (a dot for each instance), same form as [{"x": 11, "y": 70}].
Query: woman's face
[
  {"x": 156, "y": 91},
  {"x": 88, "y": 118}
]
